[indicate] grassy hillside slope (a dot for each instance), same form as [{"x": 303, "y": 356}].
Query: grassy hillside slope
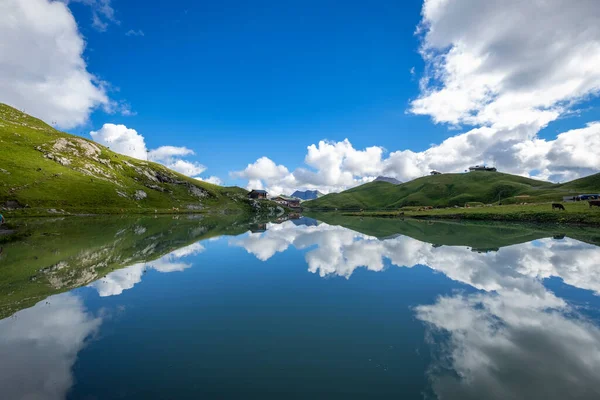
[
  {"x": 50, "y": 170},
  {"x": 591, "y": 184},
  {"x": 452, "y": 189}
]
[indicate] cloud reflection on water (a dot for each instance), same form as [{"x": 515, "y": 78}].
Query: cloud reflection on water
[
  {"x": 118, "y": 281},
  {"x": 511, "y": 345},
  {"x": 514, "y": 339},
  {"x": 39, "y": 346},
  {"x": 340, "y": 251}
]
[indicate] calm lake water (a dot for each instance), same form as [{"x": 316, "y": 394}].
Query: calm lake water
[{"x": 368, "y": 309}]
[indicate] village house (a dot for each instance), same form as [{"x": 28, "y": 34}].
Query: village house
[
  {"x": 257, "y": 194},
  {"x": 290, "y": 202},
  {"x": 482, "y": 168},
  {"x": 434, "y": 172},
  {"x": 294, "y": 203},
  {"x": 258, "y": 228}
]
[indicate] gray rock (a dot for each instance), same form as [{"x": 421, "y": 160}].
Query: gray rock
[
  {"x": 196, "y": 191},
  {"x": 140, "y": 195}
]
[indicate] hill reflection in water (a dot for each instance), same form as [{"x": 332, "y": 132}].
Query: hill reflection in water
[{"x": 346, "y": 309}]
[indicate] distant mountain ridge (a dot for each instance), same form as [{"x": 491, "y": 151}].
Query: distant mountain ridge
[
  {"x": 307, "y": 194},
  {"x": 387, "y": 179}
]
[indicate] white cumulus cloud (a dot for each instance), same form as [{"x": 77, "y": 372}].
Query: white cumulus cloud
[
  {"x": 337, "y": 166},
  {"x": 507, "y": 62},
  {"x": 167, "y": 152},
  {"x": 334, "y": 167},
  {"x": 171, "y": 157},
  {"x": 127, "y": 141},
  {"x": 215, "y": 180},
  {"x": 189, "y": 168},
  {"x": 121, "y": 139},
  {"x": 506, "y": 69},
  {"x": 42, "y": 68}
]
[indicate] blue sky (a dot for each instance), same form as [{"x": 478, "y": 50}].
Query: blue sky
[
  {"x": 265, "y": 79},
  {"x": 248, "y": 86}
]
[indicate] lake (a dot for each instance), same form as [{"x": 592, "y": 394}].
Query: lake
[{"x": 328, "y": 308}]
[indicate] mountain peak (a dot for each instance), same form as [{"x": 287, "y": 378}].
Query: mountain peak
[
  {"x": 307, "y": 194},
  {"x": 387, "y": 179}
]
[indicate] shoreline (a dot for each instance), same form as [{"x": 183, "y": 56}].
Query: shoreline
[
  {"x": 575, "y": 214},
  {"x": 491, "y": 218}
]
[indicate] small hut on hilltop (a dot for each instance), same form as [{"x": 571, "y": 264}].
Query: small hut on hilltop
[
  {"x": 258, "y": 194},
  {"x": 482, "y": 168}
]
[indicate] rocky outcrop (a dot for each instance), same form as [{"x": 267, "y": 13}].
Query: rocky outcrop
[
  {"x": 77, "y": 147},
  {"x": 140, "y": 195},
  {"x": 12, "y": 205},
  {"x": 196, "y": 191},
  {"x": 155, "y": 187}
]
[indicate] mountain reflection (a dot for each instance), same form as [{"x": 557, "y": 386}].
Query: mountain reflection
[
  {"x": 510, "y": 338},
  {"x": 118, "y": 281},
  {"x": 340, "y": 251}
]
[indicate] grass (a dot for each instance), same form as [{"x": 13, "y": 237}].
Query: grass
[
  {"x": 448, "y": 190},
  {"x": 575, "y": 213},
  {"x": 44, "y": 169}
]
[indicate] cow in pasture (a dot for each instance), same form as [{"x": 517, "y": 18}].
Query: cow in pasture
[
  {"x": 558, "y": 206},
  {"x": 594, "y": 203}
]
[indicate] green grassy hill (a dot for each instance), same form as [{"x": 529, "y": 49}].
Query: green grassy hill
[
  {"x": 453, "y": 189},
  {"x": 45, "y": 169},
  {"x": 591, "y": 184}
]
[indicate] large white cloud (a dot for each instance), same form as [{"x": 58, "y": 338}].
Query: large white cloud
[
  {"x": 121, "y": 139},
  {"x": 168, "y": 152},
  {"x": 127, "y": 141},
  {"x": 507, "y": 63},
  {"x": 170, "y": 156},
  {"x": 338, "y": 166},
  {"x": 507, "y": 68},
  {"x": 42, "y": 68},
  {"x": 189, "y": 168},
  {"x": 334, "y": 167}
]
